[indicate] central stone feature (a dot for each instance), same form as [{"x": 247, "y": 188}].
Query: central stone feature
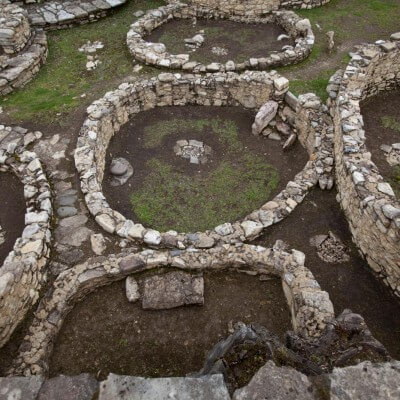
[{"x": 195, "y": 151}]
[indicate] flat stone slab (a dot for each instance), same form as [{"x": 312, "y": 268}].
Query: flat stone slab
[
  {"x": 79, "y": 387},
  {"x": 118, "y": 387},
  {"x": 20, "y": 388},
  {"x": 173, "y": 289}
]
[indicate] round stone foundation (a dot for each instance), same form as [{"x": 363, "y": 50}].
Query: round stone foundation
[{"x": 156, "y": 54}]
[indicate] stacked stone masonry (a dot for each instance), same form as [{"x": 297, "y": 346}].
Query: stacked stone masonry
[
  {"x": 251, "y": 8},
  {"x": 367, "y": 200},
  {"x": 59, "y": 14},
  {"x": 310, "y": 307},
  {"x": 156, "y": 54},
  {"x": 22, "y": 50},
  {"x": 24, "y": 270},
  {"x": 250, "y": 90}
]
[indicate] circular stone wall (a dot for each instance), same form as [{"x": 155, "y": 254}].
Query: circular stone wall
[
  {"x": 367, "y": 200},
  {"x": 156, "y": 54},
  {"x": 251, "y": 90},
  {"x": 310, "y": 307},
  {"x": 23, "y": 271},
  {"x": 22, "y": 50}
]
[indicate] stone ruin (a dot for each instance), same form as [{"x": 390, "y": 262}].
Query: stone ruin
[{"x": 324, "y": 354}]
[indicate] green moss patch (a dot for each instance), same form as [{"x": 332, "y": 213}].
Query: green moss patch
[{"x": 390, "y": 122}]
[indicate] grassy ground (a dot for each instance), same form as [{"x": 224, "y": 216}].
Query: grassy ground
[
  {"x": 169, "y": 199},
  {"x": 62, "y": 81},
  {"x": 354, "y": 22}
]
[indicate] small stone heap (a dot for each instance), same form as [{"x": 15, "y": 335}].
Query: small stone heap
[{"x": 193, "y": 150}]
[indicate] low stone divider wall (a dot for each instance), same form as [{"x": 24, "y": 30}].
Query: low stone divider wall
[
  {"x": 251, "y": 90},
  {"x": 60, "y": 14},
  {"x": 24, "y": 271},
  {"x": 253, "y": 8},
  {"x": 310, "y": 307},
  {"x": 156, "y": 54},
  {"x": 372, "y": 209},
  {"x": 24, "y": 49}
]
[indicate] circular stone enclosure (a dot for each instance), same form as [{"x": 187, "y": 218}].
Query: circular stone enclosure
[
  {"x": 370, "y": 205},
  {"x": 299, "y": 30},
  {"x": 23, "y": 271},
  {"x": 251, "y": 90}
]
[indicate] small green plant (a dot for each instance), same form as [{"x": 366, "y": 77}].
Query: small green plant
[
  {"x": 390, "y": 122},
  {"x": 395, "y": 180}
]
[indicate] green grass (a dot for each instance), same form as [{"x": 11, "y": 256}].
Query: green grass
[
  {"x": 353, "y": 21},
  {"x": 226, "y": 131},
  {"x": 390, "y": 122},
  {"x": 169, "y": 199},
  {"x": 58, "y": 86}
]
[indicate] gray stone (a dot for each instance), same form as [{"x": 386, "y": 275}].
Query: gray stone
[
  {"x": 172, "y": 289},
  {"x": 118, "y": 166},
  {"x": 276, "y": 383},
  {"x": 264, "y": 116},
  {"x": 117, "y": 387},
  {"x": 20, "y": 388},
  {"x": 80, "y": 387},
  {"x": 66, "y": 211},
  {"x": 366, "y": 381},
  {"x": 98, "y": 243},
  {"x": 132, "y": 289}
]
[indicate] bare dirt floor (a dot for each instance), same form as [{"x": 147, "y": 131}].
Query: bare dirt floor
[
  {"x": 239, "y": 40},
  {"x": 381, "y": 116},
  {"x": 351, "y": 284},
  {"x": 12, "y": 211},
  {"x": 105, "y": 333},
  {"x": 130, "y": 143}
]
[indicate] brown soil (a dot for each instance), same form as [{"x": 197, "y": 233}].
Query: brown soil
[
  {"x": 242, "y": 41},
  {"x": 373, "y": 109},
  {"x": 105, "y": 333},
  {"x": 127, "y": 143},
  {"x": 350, "y": 285},
  {"x": 12, "y": 211}
]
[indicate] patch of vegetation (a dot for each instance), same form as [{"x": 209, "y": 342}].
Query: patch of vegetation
[
  {"x": 316, "y": 85},
  {"x": 354, "y": 22},
  {"x": 226, "y": 131},
  {"x": 169, "y": 199},
  {"x": 61, "y": 82},
  {"x": 390, "y": 122}
]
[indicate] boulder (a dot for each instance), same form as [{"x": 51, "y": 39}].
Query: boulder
[
  {"x": 172, "y": 289},
  {"x": 264, "y": 116}
]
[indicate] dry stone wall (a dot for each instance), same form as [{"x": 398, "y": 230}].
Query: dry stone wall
[
  {"x": 156, "y": 54},
  {"x": 310, "y": 306},
  {"x": 22, "y": 50},
  {"x": 107, "y": 115},
  {"x": 368, "y": 201},
  {"x": 251, "y": 8},
  {"x": 24, "y": 270}
]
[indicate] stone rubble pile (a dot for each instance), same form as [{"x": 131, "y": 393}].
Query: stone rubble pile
[
  {"x": 23, "y": 272},
  {"x": 156, "y": 53},
  {"x": 193, "y": 150},
  {"x": 369, "y": 203},
  {"x": 392, "y": 153}
]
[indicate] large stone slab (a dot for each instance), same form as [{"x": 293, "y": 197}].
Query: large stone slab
[
  {"x": 20, "y": 388},
  {"x": 366, "y": 381},
  {"x": 79, "y": 387},
  {"x": 172, "y": 289},
  {"x": 118, "y": 387}
]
